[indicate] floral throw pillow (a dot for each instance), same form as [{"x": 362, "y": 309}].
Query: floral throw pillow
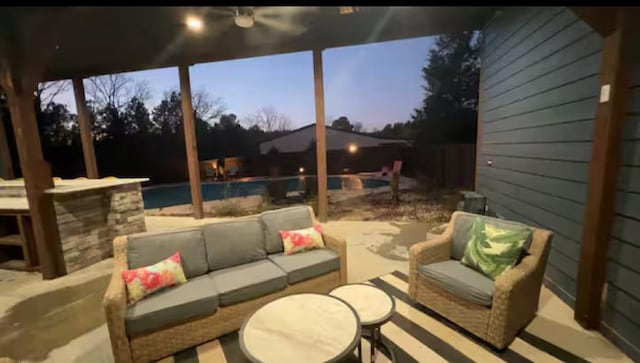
[
  {"x": 146, "y": 280},
  {"x": 493, "y": 250},
  {"x": 302, "y": 239}
]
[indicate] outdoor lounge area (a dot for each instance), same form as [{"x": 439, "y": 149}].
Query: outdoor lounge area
[{"x": 545, "y": 269}]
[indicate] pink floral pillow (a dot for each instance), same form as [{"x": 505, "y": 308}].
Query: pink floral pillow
[
  {"x": 302, "y": 239},
  {"x": 146, "y": 280}
]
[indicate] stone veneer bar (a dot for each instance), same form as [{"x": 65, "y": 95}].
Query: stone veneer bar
[
  {"x": 90, "y": 214},
  {"x": 89, "y": 220}
]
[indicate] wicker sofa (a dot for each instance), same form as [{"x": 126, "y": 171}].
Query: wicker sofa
[
  {"x": 232, "y": 269},
  {"x": 495, "y": 311}
]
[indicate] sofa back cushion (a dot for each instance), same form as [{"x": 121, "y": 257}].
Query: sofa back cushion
[
  {"x": 149, "y": 248},
  {"x": 234, "y": 243},
  {"x": 291, "y": 218},
  {"x": 462, "y": 231}
]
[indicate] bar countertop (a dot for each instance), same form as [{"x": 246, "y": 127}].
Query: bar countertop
[
  {"x": 66, "y": 186},
  {"x": 72, "y": 186}
]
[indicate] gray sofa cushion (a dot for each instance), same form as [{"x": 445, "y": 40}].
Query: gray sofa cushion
[
  {"x": 460, "y": 280},
  {"x": 149, "y": 248},
  {"x": 291, "y": 218},
  {"x": 234, "y": 243},
  {"x": 305, "y": 265},
  {"x": 197, "y": 297},
  {"x": 462, "y": 232},
  {"x": 240, "y": 283}
]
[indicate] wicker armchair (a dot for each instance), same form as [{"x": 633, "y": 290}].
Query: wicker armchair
[{"x": 515, "y": 296}]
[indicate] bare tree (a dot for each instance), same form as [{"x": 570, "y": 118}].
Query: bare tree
[
  {"x": 116, "y": 89},
  {"x": 269, "y": 120},
  {"x": 48, "y": 91},
  {"x": 357, "y": 127},
  {"x": 206, "y": 107},
  {"x": 142, "y": 91}
]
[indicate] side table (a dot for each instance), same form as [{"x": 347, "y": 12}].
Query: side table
[{"x": 374, "y": 308}]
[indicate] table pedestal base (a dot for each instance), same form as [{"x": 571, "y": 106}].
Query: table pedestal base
[{"x": 374, "y": 336}]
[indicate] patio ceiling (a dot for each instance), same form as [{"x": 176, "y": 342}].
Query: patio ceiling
[{"x": 91, "y": 41}]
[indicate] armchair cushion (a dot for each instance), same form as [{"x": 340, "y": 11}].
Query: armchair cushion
[
  {"x": 460, "y": 280},
  {"x": 461, "y": 235}
]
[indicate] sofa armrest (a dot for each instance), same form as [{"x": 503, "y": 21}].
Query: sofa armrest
[
  {"x": 114, "y": 303},
  {"x": 339, "y": 245},
  {"x": 437, "y": 249}
]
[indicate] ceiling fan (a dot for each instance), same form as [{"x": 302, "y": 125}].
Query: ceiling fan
[{"x": 288, "y": 20}]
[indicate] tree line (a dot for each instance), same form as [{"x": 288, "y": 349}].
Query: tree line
[{"x": 132, "y": 139}]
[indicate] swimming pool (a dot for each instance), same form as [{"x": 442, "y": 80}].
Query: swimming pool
[{"x": 166, "y": 195}]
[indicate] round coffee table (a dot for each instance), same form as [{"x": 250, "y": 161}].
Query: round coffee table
[
  {"x": 374, "y": 308},
  {"x": 301, "y": 328}
]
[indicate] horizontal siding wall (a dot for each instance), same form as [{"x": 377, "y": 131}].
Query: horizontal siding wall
[
  {"x": 540, "y": 83},
  {"x": 621, "y": 314}
]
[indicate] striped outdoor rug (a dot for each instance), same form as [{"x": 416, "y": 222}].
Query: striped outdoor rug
[{"x": 415, "y": 334}]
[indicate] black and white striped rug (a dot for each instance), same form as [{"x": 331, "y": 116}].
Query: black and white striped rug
[{"x": 415, "y": 334}]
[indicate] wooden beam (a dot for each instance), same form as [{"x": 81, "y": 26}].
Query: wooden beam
[
  {"x": 602, "y": 19},
  {"x": 603, "y": 171},
  {"x": 36, "y": 172},
  {"x": 321, "y": 140},
  {"x": 190, "y": 142},
  {"x": 5, "y": 153},
  {"x": 84, "y": 124}
]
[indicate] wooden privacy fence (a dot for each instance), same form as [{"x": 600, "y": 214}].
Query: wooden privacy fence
[{"x": 447, "y": 165}]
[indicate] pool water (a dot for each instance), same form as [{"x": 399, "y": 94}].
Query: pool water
[{"x": 174, "y": 194}]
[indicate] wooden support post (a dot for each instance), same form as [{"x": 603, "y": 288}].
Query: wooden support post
[
  {"x": 84, "y": 124},
  {"x": 5, "y": 153},
  {"x": 603, "y": 171},
  {"x": 190, "y": 142},
  {"x": 37, "y": 174},
  {"x": 321, "y": 141}
]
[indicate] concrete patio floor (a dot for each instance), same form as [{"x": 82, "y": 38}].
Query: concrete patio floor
[{"x": 62, "y": 321}]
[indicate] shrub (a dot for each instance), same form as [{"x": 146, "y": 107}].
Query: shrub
[{"x": 227, "y": 208}]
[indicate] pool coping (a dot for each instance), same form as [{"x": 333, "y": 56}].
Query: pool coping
[{"x": 262, "y": 178}]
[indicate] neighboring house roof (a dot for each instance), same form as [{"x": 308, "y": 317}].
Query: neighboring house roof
[{"x": 299, "y": 140}]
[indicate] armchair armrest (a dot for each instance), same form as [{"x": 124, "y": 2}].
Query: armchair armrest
[
  {"x": 339, "y": 245},
  {"x": 114, "y": 303},
  {"x": 515, "y": 298}
]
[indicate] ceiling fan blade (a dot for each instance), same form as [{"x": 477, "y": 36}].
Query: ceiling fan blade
[
  {"x": 269, "y": 11},
  {"x": 223, "y": 11},
  {"x": 282, "y": 26}
]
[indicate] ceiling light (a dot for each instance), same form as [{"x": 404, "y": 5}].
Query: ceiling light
[
  {"x": 347, "y": 9},
  {"x": 194, "y": 24},
  {"x": 244, "y": 21},
  {"x": 244, "y": 17}
]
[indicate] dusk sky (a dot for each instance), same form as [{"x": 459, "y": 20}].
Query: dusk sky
[{"x": 374, "y": 84}]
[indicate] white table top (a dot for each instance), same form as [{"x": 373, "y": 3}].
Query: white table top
[
  {"x": 300, "y": 328},
  {"x": 373, "y": 305}
]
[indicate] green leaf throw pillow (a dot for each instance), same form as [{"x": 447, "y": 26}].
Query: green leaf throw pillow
[{"x": 493, "y": 250}]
